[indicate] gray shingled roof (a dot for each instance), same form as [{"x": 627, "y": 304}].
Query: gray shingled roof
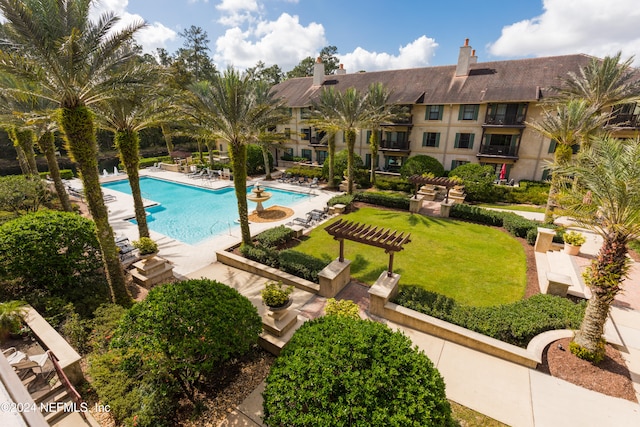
[{"x": 518, "y": 80}]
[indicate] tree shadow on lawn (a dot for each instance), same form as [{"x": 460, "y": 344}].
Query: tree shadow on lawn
[{"x": 415, "y": 219}]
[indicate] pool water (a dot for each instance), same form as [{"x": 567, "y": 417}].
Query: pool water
[{"x": 193, "y": 214}]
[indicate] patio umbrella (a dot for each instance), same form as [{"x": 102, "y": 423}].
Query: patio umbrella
[
  {"x": 179, "y": 154},
  {"x": 503, "y": 171}
]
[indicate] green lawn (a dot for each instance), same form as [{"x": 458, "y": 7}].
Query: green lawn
[
  {"x": 524, "y": 208},
  {"x": 474, "y": 264}
]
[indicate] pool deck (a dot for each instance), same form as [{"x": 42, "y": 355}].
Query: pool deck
[{"x": 189, "y": 258}]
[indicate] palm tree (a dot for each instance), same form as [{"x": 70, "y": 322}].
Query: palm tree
[
  {"x": 609, "y": 172},
  {"x": 347, "y": 111},
  {"x": 602, "y": 83},
  {"x": 126, "y": 116},
  {"x": 72, "y": 59},
  {"x": 568, "y": 125},
  {"x": 230, "y": 109},
  {"x": 22, "y": 138},
  {"x": 380, "y": 112}
]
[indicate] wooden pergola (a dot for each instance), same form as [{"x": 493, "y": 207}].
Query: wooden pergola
[
  {"x": 389, "y": 240},
  {"x": 419, "y": 180}
]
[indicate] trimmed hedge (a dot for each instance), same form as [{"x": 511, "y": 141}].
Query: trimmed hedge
[
  {"x": 396, "y": 201},
  {"x": 515, "y": 323},
  {"x": 64, "y": 174},
  {"x": 339, "y": 371},
  {"x": 275, "y": 237},
  {"x": 309, "y": 172},
  {"x": 293, "y": 262},
  {"x": 393, "y": 183},
  {"x": 345, "y": 199},
  {"x": 513, "y": 223}
]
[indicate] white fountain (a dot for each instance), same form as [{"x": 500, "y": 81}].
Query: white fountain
[{"x": 258, "y": 196}]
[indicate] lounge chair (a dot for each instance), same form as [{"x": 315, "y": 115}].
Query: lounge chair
[
  {"x": 303, "y": 180},
  {"x": 109, "y": 198},
  {"x": 314, "y": 182},
  {"x": 202, "y": 175},
  {"x": 285, "y": 177},
  {"x": 196, "y": 173},
  {"x": 20, "y": 361},
  {"x": 155, "y": 167},
  {"x": 306, "y": 223}
]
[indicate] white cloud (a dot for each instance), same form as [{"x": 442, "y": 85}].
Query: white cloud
[
  {"x": 418, "y": 53},
  {"x": 237, "y": 12},
  {"x": 284, "y": 42},
  {"x": 150, "y": 38},
  {"x": 593, "y": 27}
]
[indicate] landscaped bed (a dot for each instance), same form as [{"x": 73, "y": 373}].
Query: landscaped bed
[{"x": 445, "y": 256}]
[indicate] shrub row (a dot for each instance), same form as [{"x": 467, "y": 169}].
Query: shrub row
[
  {"x": 290, "y": 261},
  {"x": 345, "y": 199},
  {"x": 513, "y": 223},
  {"x": 393, "y": 183},
  {"x": 64, "y": 174},
  {"x": 150, "y": 161},
  {"x": 308, "y": 172},
  {"x": 275, "y": 236},
  {"x": 516, "y": 323},
  {"x": 396, "y": 201}
]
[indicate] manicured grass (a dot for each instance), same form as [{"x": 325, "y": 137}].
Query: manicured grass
[
  {"x": 524, "y": 208},
  {"x": 474, "y": 264}
]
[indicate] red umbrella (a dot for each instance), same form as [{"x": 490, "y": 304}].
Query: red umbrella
[{"x": 503, "y": 171}]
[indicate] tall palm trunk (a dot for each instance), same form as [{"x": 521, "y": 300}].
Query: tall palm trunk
[
  {"x": 166, "y": 132},
  {"x": 562, "y": 157},
  {"x": 77, "y": 124},
  {"x": 331, "y": 148},
  {"x": 604, "y": 277},
  {"x": 265, "y": 159},
  {"x": 45, "y": 142},
  {"x": 23, "y": 142},
  {"x": 351, "y": 145},
  {"x": 373, "y": 147},
  {"x": 239, "y": 160},
  {"x": 128, "y": 143}
]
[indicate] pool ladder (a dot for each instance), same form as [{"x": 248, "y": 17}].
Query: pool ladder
[{"x": 219, "y": 222}]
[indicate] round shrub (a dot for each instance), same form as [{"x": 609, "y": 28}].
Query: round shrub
[
  {"x": 478, "y": 182},
  {"x": 50, "y": 254},
  {"x": 340, "y": 165},
  {"x": 417, "y": 165},
  {"x": 340, "y": 371},
  {"x": 190, "y": 328}
]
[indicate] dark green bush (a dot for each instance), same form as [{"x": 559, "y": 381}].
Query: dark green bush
[
  {"x": 64, "y": 174},
  {"x": 528, "y": 192},
  {"x": 478, "y": 182},
  {"x": 19, "y": 194},
  {"x": 518, "y": 225},
  {"x": 390, "y": 200},
  {"x": 393, "y": 183},
  {"x": 340, "y": 165},
  {"x": 420, "y": 164},
  {"x": 275, "y": 236},
  {"x": 261, "y": 254},
  {"x": 255, "y": 160},
  {"x": 307, "y": 171},
  {"x": 476, "y": 214},
  {"x": 344, "y": 199},
  {"x": 50, "y": 254},
  {"x": 340, "y": 371},
  {"x": 301, "y": 265},
  {"x": 515, "y": 323}
]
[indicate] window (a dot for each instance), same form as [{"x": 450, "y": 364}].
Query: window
[
  {"x": 321, "y": 156},
  {"x": 434, "y": 112},
  {"x": 554, "y": 144},
  {"x": 456, "y": 163},
  {"x": 305, "y": 113},
  {"x": 431, "y": 139},
  {"x": 368, "y": 136},
  {"x": 287, "y": 133},
  {"x": 468, "y": 112},
  {"x": 306, "y": 154},
  {"x": 290, "y": 112},
  {"x": 464, "y": 140},
  {"x": 306, "y": 134}
]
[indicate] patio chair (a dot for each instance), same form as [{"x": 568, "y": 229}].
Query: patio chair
[
  {"x": 109, "y": 198},
  {"x": 285, "y": 177},
  {"x": 202, "y": 175},
  {"x": 14, "y": 356},
  {"x": 306, "y": 223},
  {"x": 196, "y": 173},
  {"x": 155, "y": 167},
  {"x": 314, "y": 182},
  {"x": 303, "y": 180}
]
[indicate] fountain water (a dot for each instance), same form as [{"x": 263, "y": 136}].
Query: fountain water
[{"x": 259, "y": 196}]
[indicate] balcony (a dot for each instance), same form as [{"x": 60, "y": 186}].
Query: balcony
[
  {"x": 498, "y": 151},
  {"x": 395, "y": 146},
  {"x": 505, "y": 115},
  {"x": 317, "y": 142},
  {"x": 503, "y": 120},
  {"x": 625, "y": 121}
]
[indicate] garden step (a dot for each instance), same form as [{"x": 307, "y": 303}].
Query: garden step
[{"x": 562, "y": 263}]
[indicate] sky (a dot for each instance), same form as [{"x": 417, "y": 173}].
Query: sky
[{"x": 385, "y": 35}]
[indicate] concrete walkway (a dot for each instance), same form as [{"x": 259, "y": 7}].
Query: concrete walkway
[{"x": 510, "y": 393}]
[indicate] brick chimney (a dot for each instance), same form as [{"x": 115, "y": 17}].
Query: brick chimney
[
  {"x": 318, "y": 72},
  {"x": 341, "y": 70},
  {"x": 464, "y": 59}
]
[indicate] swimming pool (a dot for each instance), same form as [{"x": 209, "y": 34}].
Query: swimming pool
[{"x": 193, "y": 214}]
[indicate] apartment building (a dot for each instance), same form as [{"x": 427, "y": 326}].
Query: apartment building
[{"x": 470, "y": 112}]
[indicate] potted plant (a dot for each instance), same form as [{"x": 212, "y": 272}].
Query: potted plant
[
  {"x": 276, "y": 296},
  {"x": 572, "y": 242},
  {"x": 11, "y": 313},
  {"x": 147, "y": 247}
]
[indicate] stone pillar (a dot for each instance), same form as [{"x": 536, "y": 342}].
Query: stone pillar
[
  {"x": 334, "y": 277},
  {"x": 445, "y": 209},
  {"x": 149, "y": 272},
  {"x": 415, "y": 204},
  {"x": 384, "y": 290},
  {"x": 544, "y": 239}
]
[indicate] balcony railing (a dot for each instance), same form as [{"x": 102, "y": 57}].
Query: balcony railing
[
  {"x": 625, "y": 120},
  {"x": 498, "y": 151},
  {"x": 317, "y": 142},
  {"x": 504, "y": 120},
  {"x": 395, "y": 145}
]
